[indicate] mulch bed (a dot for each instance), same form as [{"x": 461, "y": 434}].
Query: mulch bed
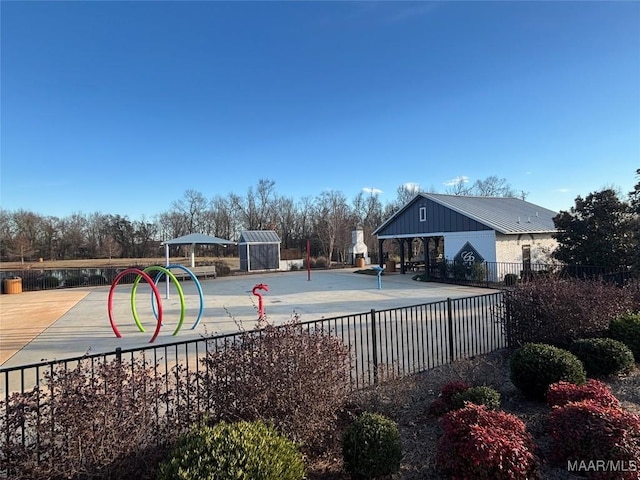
[{"x": 406, "y": 401}]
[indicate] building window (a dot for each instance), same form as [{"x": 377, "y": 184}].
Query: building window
[{"x": 423, "y": 214}]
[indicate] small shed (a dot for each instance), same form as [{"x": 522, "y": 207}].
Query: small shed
[{"x": 259, "y": 250}]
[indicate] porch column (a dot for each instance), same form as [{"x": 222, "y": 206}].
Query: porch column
[
  {"x": 402, "y": 265},
  {"x": 380, "y": 253},
  {"x": 425, "y": 249}
]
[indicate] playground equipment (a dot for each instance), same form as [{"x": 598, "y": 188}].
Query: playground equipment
[
  {"x": 195, "y": 281},
  {"x": 143, "y": 274},
  {"x": 260, "y": 286},
  {"x": 379, "y": 271}
]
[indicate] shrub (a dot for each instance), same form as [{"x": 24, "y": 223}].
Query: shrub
[
  {"x": 558, "y": 311},
  {"x": 561, "y": 393},
  {"x": 96, "y": 280},
  {"x": 443, "y": 403},
  {"x": 321, "y": 262},
  {"x": 485, "y": 445},
  {"x": 222, "y": 269},
  {"x": 535, "y": 366},
  {"x": 295, "y": 377},
  {"x": 603, "y": 356},
  {"x": 482, "y": 395},
  {"x": 78, "y": 417},
  {"x": 37, "y": 283},
  {"x": 371, "y": 447},
  {"x": 238, "y": 451},
  {"x": 49, "y": 281},
  {"x": 74, "y": 281},
  {"x": 589, "y": 430},
  {"x": 510, "y": 279},
  {"x": 626, "y": 329}
]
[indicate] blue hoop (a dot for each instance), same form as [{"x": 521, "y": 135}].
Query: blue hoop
[{"x": 198, "y": 286}]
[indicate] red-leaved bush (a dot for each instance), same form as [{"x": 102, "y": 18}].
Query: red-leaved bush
[
  {"x": 561, "y": 393},
  {"x": 588, "y": 430},
  {"x": 557, "y": 311},
  {"x": 483, "y": 444},
  {"x": 443, "y": 403}
]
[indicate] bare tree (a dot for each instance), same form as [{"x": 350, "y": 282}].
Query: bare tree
[
  {"x": 27, "y": 232},
  {"x": 6, "y": 232},
  {"x": 192, "y": 206},
  {"x": 331, "y": 219},
  {"x": 493, "y": 187},
  {"x": 459, "y": 187},
  {"x": 287, "y": 219}
]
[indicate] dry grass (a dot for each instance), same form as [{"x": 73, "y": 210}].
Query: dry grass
[{"x": 406, "y": 400}]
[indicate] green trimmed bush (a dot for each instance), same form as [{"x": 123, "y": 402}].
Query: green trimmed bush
[
  {"x": 234, "y": 451},
  {"x": 603, "y": 356},
  {"x": 371, "y": 447},
  {"x": 482, "y": 395},
  {"x": 535, "y": 366},
  {"x": 626, "y": 329}
]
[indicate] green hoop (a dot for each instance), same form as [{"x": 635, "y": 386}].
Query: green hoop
[{"x": 178, "y": 288}]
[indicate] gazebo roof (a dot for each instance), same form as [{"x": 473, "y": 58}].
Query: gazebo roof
[{"x": 198, "y": 238}]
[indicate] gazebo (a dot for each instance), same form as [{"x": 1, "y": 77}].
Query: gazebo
[{"x": 194, "y": 239}]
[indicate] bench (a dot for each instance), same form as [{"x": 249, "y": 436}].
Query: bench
[{"x": 207, "y": 271}]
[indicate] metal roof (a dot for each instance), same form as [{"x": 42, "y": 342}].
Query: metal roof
[
  {"x": 198, "y": 238},
  {"x": 259, "y": 236},
  {"x": 505, "y": 215}
]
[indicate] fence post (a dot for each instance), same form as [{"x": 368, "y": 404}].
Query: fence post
[
  {"x": 374, "y": 346},
  {"x": 119, "y": 355},
  {"x": 450, "y": 329}
]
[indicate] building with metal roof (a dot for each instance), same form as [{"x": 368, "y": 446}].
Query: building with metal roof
[
  {"x": 259, "y": 250},
  {"x": 452, "y": 227}
]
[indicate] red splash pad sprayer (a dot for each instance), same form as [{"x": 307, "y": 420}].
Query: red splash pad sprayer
[{"x": 260, "y": 286}]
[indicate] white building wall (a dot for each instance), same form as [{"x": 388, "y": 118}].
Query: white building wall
[
  {"x": 509, "y": 247},
  {"x": 484, "y": 242}
]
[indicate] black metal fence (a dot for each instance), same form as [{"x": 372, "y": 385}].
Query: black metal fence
[
  {"x": 486, "y": 274},
  {"x": 501, "y": 274},
  {"x": 397, "y": 342},
  {"x": 408, "y": 339}
]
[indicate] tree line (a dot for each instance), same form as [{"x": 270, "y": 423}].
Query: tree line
[
  {"x": 602, "y": 229},
  {"x": 326, "y": 220}
]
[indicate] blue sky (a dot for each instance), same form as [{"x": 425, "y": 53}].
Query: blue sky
[{"x": 120, "y": 107}]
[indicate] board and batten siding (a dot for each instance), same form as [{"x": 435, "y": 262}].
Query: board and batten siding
[
  {"x": 437, "y": 219},
  {"x": 509, "y": 247}
]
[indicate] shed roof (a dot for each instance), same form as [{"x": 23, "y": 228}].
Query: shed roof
[
  {"x": 259, "y": 236},
  {"x": 198, "y": 238},
  {"x": 505, "y": 215}
]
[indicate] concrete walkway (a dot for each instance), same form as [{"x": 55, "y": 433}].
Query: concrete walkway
[{"x": 48, "y": 325}]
